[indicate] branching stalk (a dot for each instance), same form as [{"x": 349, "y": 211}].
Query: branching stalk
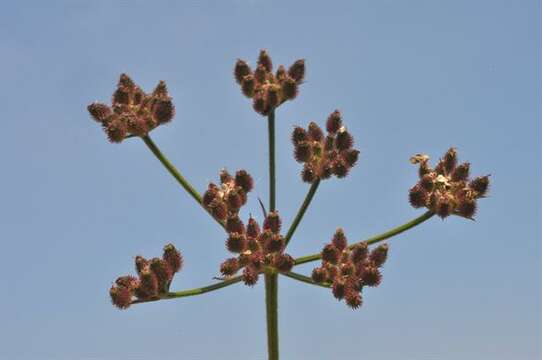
[
  {"x": 301, "y": 211},
  {"x": 385, "y": 235},
  {"x": 176, "y": 174},
  {"x": 193, "y": 292},
  {"x": 305, "y": 279}
]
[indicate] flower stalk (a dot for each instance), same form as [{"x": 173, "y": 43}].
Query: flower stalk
[{"x": 377, "y": 238}]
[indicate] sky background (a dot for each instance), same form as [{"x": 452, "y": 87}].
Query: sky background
[{"x": 409, "y": 77}]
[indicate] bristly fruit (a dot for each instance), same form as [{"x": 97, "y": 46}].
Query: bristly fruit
[{"x": 446, "y": 189}]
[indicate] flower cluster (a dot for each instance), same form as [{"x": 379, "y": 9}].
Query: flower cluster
[
  {"x": 227, "y": 199},
  {"x": 256, "y": 248},
  {"x": 133, "y": 112},
  {"x": 349, "y": 269},
  {"x": 268, "y": 90},
  {"x": 324, "y": 156},
  {"x": 155, "y": 276},
  {"x": 446, "y": 189}
]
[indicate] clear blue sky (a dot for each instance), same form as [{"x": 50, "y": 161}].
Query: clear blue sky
[{"x": 409, "y": 76}]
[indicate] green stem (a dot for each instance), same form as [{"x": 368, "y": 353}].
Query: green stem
[
  {"x": 305, "y": 279},
  {"x": 176, "y": 174},
  {"x": 193, "y": 292},
  {"x": 386, "y": 235},
  {"x": 271, "y": 307},
  {"x": 271, "y": 278},
  {"x": 272, "y": 178},
  {"x": 301, "y": 211}
]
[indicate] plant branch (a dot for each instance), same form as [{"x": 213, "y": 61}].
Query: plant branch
[
  {"x": 193, "y": 292},
  {"x": 385, "y": 235},
  {"x": 301, "y": 211},
  {"x": 305, "y": 279},
  {"x": 177, "y": 175}
]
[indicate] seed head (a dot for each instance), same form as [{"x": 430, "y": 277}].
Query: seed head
[
  {"x": 229, "y": 267},
  {"x": 241, "y": 70},
  {"x": 121, "y": 297},
  {"x": 297, "y": 70},
  {"x": 173, "y": 257},
  {"x": 99, "y": 112}
]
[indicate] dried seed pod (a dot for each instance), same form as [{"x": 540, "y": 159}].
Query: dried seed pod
[
  {"x": 319, "y": 275},
  {"x": 334, "y": 122},
  {"x": 163, "y": 273},
  {"x": 339, "y": 239},
  {"x": 338, "y": 289},
  {"x": 330, "y": 254},
  {"x": 466, "y": 208},
  {"x": 244, "y": 180},
  {"x": 284, "y": 262},
  {"x": 173, "y": 257},
  {"x": 250, "y": 276},
  {"x": 450, "y": 160},
  {"x": 417, "y": 196},
  {"x": 379, "y": 255},
  {"x": 148, "y": 285},
  {"x": 235, "y": 225},
  {"x": 99, "y": 112},
  {"x": 371, "y": 276},
  {"x": 461, "y": 173},
  {"x": 248, "y": 85},
  {"x": 297, "y": 70},
  {"x": 259, "y": 104},
  {"x": 116, "y": 131},
  {"x": 359, "y": 252},
  {"x": 340, "y": 168},
  {"x": 241, "y": 70},
  {"x": 129, "y": 282},
  {"x": 314, "y": 131},
  {"x": 272, "y": 222},
  {"x": 353, "y": 299},
  {"x": 229, "y": 267},
  {"x": 299, "y": 135},
  {"x": 218, "y": 209},
  {"x": 253, "y": 229},
  {"x": 273, "y": 96},
  {"x": 344, "y": 140},
  {"x": 307, "y": 174},
  {"x": 480, "y": 185},
  {"x": 236, "y": 242},
  {"x": 126, "y": 82},
  {"x": 265, "y": 60},
  {"x": 350, "y": 156},
  {"x": 303, "y": 152},
  {"x": 160, "y": 91},
  {"x": 121, "y": 297},
  {"x": 281, "y": 73},
  {"x": 289, "y": 89}
]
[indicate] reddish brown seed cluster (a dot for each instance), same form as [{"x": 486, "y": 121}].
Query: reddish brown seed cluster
[
  {"x": 132, "y": 111},
  {"x": 227, "y": 199},
  {"x": 256, "y": 248},
  {"x": 446, "y": 189},
  {"x": 349, "y": 269},
  {"x": 324, "y": 156},
  {"x": 268, "y": 90},
  {"x": 155, "y": 276}
]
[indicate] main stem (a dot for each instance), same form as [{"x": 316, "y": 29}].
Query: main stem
[{"x": 271, "y": 278}]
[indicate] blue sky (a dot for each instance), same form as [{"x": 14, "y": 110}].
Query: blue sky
[{"x": 409, "y": 77}]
